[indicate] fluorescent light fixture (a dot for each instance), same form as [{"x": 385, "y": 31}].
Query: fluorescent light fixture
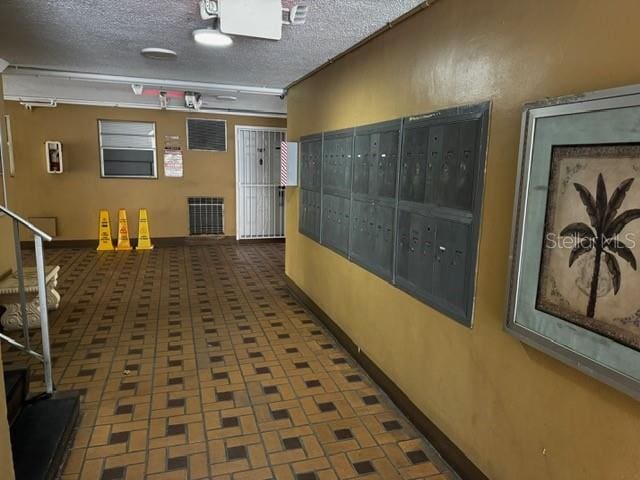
[{"x": 211, "y": 37}]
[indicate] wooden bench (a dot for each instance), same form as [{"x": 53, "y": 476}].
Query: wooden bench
[{"x": 11, "y": 320}]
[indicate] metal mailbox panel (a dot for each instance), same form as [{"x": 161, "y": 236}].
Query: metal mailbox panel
[
  {"x": 436, "y": 139},
  {"x": 387, "y": 165},
  {"x": 337, "y": 159},
  {"x": 427, "y": 246},
  {"x": 360, "y": 229},
  {"x": 403, "y": 254},
  {"x": 311, "y": 164},
  {"x": 335, "y": 223},
  {"x": 383, "y": 239},
  {"x": 309, "y": 222},
  {"x": 445, "y": 190},
  {"x": 328, "y": 161},
  {"x": 414, "y": 164},
  {"x": 451, "y": 272},
  {"x": 408, "y": 269},
  {"x": 467, "y": 167},
  {"x": 361, "y": 165}
]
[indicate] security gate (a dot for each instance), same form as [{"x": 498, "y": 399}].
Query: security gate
[{"x": 260, "y": 198}]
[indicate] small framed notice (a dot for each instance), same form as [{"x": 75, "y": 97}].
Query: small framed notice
[{"x": 173, "y": 165}]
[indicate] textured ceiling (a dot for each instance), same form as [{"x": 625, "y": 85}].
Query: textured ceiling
[{"x": 106, "y": 37}]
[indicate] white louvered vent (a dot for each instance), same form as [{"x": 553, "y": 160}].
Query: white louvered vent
[{"x": 208, "y": 135}]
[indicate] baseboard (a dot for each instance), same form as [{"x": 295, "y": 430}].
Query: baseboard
[
  {"x": 250, "y": 241},
  {"x": 449, "y": 451},
  {"x": 159, "y": 242}
]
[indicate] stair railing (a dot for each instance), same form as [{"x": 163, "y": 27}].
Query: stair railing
[{"x": 38, "y": 236}]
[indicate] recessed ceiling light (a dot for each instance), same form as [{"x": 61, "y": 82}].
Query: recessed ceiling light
[
  {"x": 158, "y": 53},
  {"x": 211, "y": 37},
  {"x": 227, "y": 98}
]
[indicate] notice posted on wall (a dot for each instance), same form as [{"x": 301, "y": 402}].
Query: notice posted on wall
[{"x": 172, "y": 157}]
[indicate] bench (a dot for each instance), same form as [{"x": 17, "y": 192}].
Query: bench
[{"x": 11, "y": 320}]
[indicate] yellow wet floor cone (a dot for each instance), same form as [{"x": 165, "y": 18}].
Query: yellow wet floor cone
[
  {"x": 123, "y": 231},
  {"x": 144, "y": 238},
  {"x": 104, "y": 234}
]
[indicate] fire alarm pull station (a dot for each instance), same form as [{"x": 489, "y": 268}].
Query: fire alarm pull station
[{"x": 53, "y": 156}]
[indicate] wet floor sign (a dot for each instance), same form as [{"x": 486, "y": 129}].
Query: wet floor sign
[
  {"x": 144, "y": 238},
  {"x": 123, "y": 231},
  {"x": 104, "y": 234}
]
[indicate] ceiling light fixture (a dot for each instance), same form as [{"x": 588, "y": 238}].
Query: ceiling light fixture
[
  {"x": 158, "y": 53},
  {"x": 226, "y": 98},
  {"x": 211, "y": 37}
]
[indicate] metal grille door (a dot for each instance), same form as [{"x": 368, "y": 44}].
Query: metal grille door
[{"x": 260, "y": 196}]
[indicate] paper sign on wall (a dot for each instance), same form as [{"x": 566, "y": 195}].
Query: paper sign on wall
[{"x": 172, "y": 157}]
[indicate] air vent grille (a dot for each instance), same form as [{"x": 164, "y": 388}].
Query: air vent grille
[
  {"x": 206, "y": 215},
  {"x": 208, "y": 135}
]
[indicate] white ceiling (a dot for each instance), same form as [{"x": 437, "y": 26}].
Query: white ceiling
[{"x": 106, "y": 37}]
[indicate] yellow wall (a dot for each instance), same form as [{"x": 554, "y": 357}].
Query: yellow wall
[
  {"x": 76, "y": 196},
  {"x": 6, "y": 263},
  {"x": 7, "y": 260},
  {"x": 517, "y": 413}
]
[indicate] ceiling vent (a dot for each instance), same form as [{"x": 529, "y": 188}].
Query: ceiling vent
[{"x": 209, "y": 135}]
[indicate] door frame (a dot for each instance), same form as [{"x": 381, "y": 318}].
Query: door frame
[{"x": 237, "y": 162}]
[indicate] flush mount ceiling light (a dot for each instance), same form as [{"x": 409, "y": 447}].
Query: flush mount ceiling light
[
  {"x": 158, "y": 53},
  {"x": 211, "y": 37}
]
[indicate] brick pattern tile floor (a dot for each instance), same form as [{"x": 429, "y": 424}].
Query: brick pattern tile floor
[{"x": 195, "y": 362}]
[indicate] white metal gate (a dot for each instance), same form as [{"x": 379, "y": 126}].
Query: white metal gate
[{"x": 260, "y": 198}]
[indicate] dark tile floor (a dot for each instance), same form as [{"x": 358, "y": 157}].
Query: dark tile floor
[{"x": 196, "y": 362}]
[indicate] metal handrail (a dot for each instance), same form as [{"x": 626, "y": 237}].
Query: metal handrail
[
  {"x": 27, "y": 224},
  {"x": 39, "y": 235}
]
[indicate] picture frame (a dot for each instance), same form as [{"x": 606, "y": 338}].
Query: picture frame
[{"x": 574, "y": 277}]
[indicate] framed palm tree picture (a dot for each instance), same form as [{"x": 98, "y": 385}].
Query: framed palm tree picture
[{"x": 575, "y": 285}]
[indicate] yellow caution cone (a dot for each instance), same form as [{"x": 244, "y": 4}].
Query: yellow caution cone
[
  {"x": 144, "y": 238},
  {"x": 104, "y": 234},
  {"x": 123, "y": 231}
]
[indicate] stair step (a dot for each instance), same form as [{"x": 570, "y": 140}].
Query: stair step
[
  {"x": 41, "y": 436},
  {"x": 16, "y": 383}
]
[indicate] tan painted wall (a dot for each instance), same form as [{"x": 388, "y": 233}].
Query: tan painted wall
[
  {"x": 7, "y": 260},
  {"x": 76, "y": 196},
  {"x": 517, "y": 413},
  {"x": 6, "y": 263}
]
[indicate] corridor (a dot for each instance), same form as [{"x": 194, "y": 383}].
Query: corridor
[{"x": 196, "y": 362}]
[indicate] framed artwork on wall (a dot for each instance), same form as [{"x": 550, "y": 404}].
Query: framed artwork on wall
[{"x": 575, "y": 285}]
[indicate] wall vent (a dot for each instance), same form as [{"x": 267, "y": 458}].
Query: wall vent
[
  {"x": 210, "y": 135},
  {"x": 206, "y": 215}
]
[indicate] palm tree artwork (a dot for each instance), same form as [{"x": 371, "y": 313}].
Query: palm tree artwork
[{"x": 602, "y": 236}]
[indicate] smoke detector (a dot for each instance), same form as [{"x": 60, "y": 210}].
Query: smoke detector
[
  {"x": 296, "y": 15},
  {"x": 158, "y": 53}
]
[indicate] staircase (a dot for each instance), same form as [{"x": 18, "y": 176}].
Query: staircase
[
  {"x": 42, "y": 424},
  {"x": 41, "y": 427}
]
